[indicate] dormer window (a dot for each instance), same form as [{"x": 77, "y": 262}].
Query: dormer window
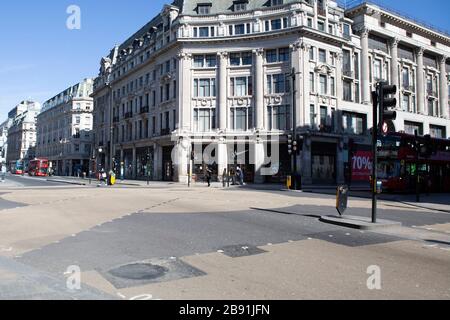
[
  {"x": 204, "y": 8},
  {"x": 240, "y": 5},
  {"x": 277, "y": 3}
]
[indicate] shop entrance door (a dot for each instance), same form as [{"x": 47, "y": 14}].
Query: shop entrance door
[{"x": 323, "y": 163}]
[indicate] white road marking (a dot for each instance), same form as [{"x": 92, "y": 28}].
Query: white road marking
[
  {"x": 142, "y": 297},
  {"x": 121, "y": 295}
]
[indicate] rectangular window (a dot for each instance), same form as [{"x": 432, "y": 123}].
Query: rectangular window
[
  {"x": 405, "y": 103},
  {"x": 312, "y": 115},
  {"x": 311, "y": 82},
  {"x": 204, "y": 9},
  {"x": 271, "y": 55},
  {"x": 323, "y": 84},
  {"x": 277, "y": 83},
  {"x": 279, "y": 117},
  {"x": 239, "y": 29},
  {"x": 322, "y": 56},
  {"x": 321, "y": 26},
  {"x": 332, "y": 87},
  {"x": 241, "y": 118},
  {"x": 311, "y": 53},
  {"x": 204, "y": 87},
  {"x": 347, "y": 88},
  {"x": 275, "y": 24},
  {"x": 241, "y": 86},
  {"x": 283, "y": 54},
  {"x": 203, "y": 32}
]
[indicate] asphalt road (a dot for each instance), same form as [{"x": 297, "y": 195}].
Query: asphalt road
[
  {"x": 26, "y": 181},
  {"x": 143, "y": 236}
]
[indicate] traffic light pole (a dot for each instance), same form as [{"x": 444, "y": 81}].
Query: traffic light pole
[
  {"x": 375, "y": 157},
  {"x": 294, "y": 120},
  {"x": 417, "y": 147}
]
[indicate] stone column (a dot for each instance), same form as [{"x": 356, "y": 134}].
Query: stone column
[
  {"x": 420, "y": 82},
  {"x": 222, "y": 156},
  {"x": 181, "y": 161},
  {"x": 339, "y": 87},
  {"x": 394, "y": 65},
  {"x": 184, "y": 84},
  {"x": 258, "y": 160},
  {"x": 365, "y": 74},
  {"x": 258, "y": 90},
  {"x": 296, "y": 64},
  {"x": 443, "y": 94},
  {"x": 222, "y": 104}
]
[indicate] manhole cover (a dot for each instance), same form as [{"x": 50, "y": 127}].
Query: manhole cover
[{"x": 139, "y": 271}]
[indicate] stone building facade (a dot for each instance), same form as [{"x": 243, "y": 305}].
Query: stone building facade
[
  {"x": 64, "y": 130},
  {"x": 219, "y": 80},
  {"x": 22, "y": 132}
]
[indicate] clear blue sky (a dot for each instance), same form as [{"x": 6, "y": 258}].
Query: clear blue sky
[{"x": 40, "y": 57}]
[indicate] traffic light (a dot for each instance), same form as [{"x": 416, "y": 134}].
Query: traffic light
[
  {"x": 426, "y": 148},
  {"x": 292, "y": 144},
  {"x": 386, "y": 102},
  {"x": 300, "y": 141}
]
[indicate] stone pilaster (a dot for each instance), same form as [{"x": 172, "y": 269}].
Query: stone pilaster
[
  {"x": 365, "y": 74},
  {"x": 443, "y": 94},
  {"x": 222, "y": 104},
  {"x": 394, "y": 65},
  {"x": 259, "y": 88},
  {"x": 420, "y": 82},
  {"x": 184, "y": 83}
]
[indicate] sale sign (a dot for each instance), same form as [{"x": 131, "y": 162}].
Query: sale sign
[{"x": 362, "y": 165}]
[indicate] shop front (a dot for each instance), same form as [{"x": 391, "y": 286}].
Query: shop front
[{"x": 323, "y": 162}]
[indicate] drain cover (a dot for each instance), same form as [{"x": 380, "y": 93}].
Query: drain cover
[
  {"x": 139, "y": 271},
  {"x": 144, "y": 272}
]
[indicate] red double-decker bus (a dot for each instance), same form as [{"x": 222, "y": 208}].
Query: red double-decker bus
[
  {"x": 38, "y": 168},
  {"x": 399, "y": 164}
]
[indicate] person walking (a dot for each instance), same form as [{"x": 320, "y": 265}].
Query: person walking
[
  {"x": 232, "y": 175},
  {"x": 208, "y": 176},
  {"x": 240, "y": 176}
]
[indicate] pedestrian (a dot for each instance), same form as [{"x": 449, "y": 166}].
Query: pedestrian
[
  {"x": 208, "y": 176},
  {"x": 232, "y": 176},
  {"x": 240, "y": 176},
  {"x": 224, "y": 177}
]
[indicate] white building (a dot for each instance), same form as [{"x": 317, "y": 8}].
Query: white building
[
  {"x": 213, "y": 76},
  {"x": 4, "y": 127},
  {"x": 22, "y": 132},
  {"x": 64, "y": 130}
]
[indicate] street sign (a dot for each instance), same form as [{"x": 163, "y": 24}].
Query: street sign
[{"x": 342, "y": 199}]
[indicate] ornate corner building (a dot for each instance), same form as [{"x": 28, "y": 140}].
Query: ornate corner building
[{"x": 216, "y": 78}]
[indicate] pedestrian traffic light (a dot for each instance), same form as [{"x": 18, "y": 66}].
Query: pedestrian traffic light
[
  {"x": 300, "y": 141},
  {"x": 386, "y": 102}
]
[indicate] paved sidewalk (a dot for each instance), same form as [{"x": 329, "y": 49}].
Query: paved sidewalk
[{"x": 18, "y": 281}]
